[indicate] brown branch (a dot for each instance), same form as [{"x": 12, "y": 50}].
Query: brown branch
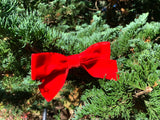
[
  {"x": 155, "y": 83},
  {"x": 146, "y": 91},
  {"x": 28, "y": 46},
  {"x": 157, "y": 38},
  {"x": 96, "y": 5},
  {"x": 92, "y": 9}
]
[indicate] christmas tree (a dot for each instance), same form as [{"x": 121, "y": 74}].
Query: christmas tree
[{"x": 69, "y": 27}]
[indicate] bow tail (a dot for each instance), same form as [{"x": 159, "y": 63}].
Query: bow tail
[
  {"x": 52, "y": 84},
  {"x": 103, "y": 69}
]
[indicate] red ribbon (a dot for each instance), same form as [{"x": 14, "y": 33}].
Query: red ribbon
[{"x": 52, "y": 68}]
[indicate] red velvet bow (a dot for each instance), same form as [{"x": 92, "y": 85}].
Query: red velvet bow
[{"x": 52, "y": 68}]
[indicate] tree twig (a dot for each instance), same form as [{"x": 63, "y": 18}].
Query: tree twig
[
  {"x": 96, "y": 5},
  {"x": 157, "y": 38},
  {"x": 146, "y": 91},
  {"x": 92, "y": 9},
  {"x": 28, "y": 46}
]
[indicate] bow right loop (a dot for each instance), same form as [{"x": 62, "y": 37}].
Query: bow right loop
[{"x": 96, "y": 51}]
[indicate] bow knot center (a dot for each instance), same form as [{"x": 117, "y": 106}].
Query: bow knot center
[{"x": 73, "y": 61}]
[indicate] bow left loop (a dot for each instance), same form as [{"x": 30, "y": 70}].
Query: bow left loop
[{"x": 51, "y": 69}]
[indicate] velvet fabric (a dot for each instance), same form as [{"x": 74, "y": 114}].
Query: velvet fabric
[{"x": 52, "y": 68}]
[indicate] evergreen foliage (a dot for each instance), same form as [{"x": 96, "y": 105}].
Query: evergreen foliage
[
  {"x": 65, "y": 13},
  {"x": 69, "y": 27},
  {"x": 139, "y": 63}
]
